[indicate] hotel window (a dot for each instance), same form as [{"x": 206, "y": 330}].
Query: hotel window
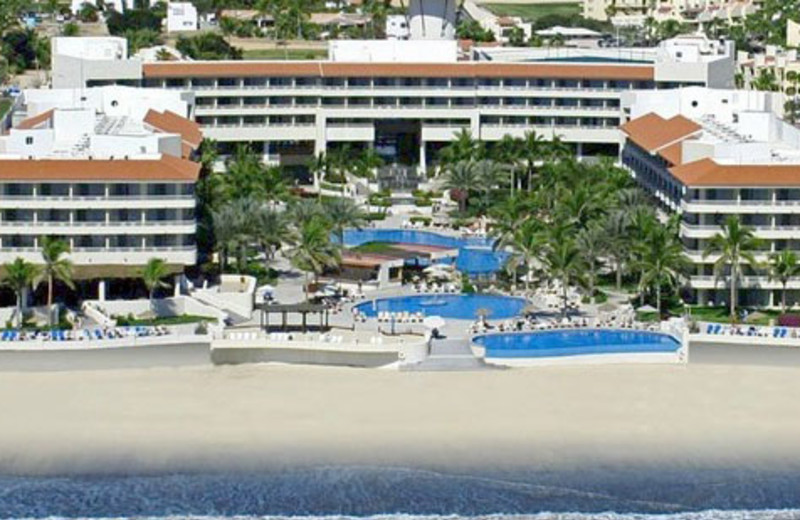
[
  {"x": 29, "y": 140},
  {"x": 333, "y": 82},
  {"x": 227, "y": 82},
  {"x": 488, "y": 82},
  {"x": 54, "y": 190},
  {"x": 280, "y": 82},
  {"x": 463, "y": 82},
  {"x": 255, "y": 82},
  {"x": 306, "y": 82},
  {"x": 358, "y": 82},
  {"x": 437, "y": 82},
  {"x": 202, "y": 83}
]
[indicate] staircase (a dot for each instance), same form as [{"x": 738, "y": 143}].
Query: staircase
[{"x": 449, "y": 355}]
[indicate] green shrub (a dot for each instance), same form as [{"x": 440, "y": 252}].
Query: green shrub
[
  {"x": 375, "y": 216},
  {"x": 466, "y": 284},
  {"x": 425, "y": 220}
]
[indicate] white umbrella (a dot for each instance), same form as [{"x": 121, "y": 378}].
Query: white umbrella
[
  {"x": 433, "y": 322},
  {"x": 647, "y": 308}
]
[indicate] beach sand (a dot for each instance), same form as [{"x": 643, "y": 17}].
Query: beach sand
[{"x": 254, "y": 417}]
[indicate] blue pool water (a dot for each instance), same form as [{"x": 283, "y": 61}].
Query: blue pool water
[
  {"x": 574, "y": 342},
  {"x": 453, "y": 306},
  {"x": 475, "y": 255}
]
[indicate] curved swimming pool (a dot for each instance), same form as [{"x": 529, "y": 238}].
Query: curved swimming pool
[
  {"x": 452, "y": 306},
  {"x": 574, "y": 342},
  {"x": 475, "y": 255}
]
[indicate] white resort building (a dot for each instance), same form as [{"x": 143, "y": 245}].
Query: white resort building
[
  {"x": 407, "y": 99},
  {"x": 109, "y": 170},
  {"x": 708, "y": 154}
]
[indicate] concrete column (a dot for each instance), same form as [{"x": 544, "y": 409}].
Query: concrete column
[
  {"x": 177, "y": 285},
  {"x": 771, "y": 298},
  {"x": 101, "y": 290},
  {"x": 423, "y": 158}
]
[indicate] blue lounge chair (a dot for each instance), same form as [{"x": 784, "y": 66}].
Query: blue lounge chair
[
  {"x": 784, "y": 332},
  {"x": 710, "y": 329}
]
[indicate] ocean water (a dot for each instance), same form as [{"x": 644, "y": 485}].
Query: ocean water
[{"x": 409, "y": 494}]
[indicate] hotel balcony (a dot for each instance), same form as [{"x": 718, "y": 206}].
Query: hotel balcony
[
  {"x": 97, "y": 202},
  {"x": 149, "y": 227},
  {"x": 86, "y": 256},
  {"x": 763, "y": 232},
  {"x": 733, "y": 206},
  {"x": 745, "y": 282}
]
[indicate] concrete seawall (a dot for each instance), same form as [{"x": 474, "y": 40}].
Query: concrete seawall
[
  {"x": 191, "y": 353},
  {"x": 302, "y": 356}
]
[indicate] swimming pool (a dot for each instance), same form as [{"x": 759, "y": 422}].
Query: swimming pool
[
  {"x": 475, "y": 255},
  {"x": 575, "y": 342},
  {"x": 452, "y": 306}
]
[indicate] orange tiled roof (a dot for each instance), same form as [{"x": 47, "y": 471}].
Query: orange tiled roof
[
  {"x": 706, "y": 172},
  {"x": 434, "y": 70},
  {"x": 173, "y": 123},
  {"x": 673, "y": 153},
  {"x": 167, "y": 168},
  {"x": 653, "y": 132},
  {"x": 34, "y": 121}
]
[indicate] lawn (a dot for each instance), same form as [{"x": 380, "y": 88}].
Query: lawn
[
  {"x": 285, "y": 54},
  {"x": 722, "y": 315},
  {"x": 123, "y": 321},
  {"x": 532, "y": 12},
  {"x": 374, "y": 248}
]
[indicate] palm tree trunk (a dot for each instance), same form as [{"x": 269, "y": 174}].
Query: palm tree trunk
[
  {"x": 658, "y": 300},
  {"x": 564, "y": 283},
  {"x": 733, "y": 293},
  {"x": 619, "y": 274},
  {"x": 783, "y": 299},
  {"x": 50, "y": 300},
  {"x": 19, "y": 310}
]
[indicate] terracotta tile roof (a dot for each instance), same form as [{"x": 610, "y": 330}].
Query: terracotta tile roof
[
  {"x": 167, "y": 168},
  {"x": 433, "y": 70},
  {"x": 706, "y": 172},
  {"x": 653, "y": 132},
  {"x": 673, "y": 153},
  {"x": 367, "y": 260},
  {"x": 171, "y": 122},
  {"x": 34, "y": 121}
]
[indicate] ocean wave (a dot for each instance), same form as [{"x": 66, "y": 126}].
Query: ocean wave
[
  {"x": 712, "y": 514},
  {"x": 382, "y": 493}
]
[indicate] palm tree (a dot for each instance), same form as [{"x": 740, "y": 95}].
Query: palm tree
[
  {"x": 736, "y": 244},
  {"x": 618, "y": 243},
  {"x": 527, "y": 243},
  {"x": 272, "y": 231},
  {"x": 783, "y": 267},
  {"x": 563, "y": 261},
  {"x": 491, "y": 175},
  {"x": 343, "y": 213},
  {"x": 152, "y": 276},
  {"x": 661, "y": 259},
  {"x": 20, "y": 276},
  {"x": 461, "y": 178},
  {"x": 56, "y": 267},
  {"x": 533, "y": 145},
  {"x": 591, "y": 242},
  {"x": 313, "y": 250},
  {"x": 464, "y": 147}
]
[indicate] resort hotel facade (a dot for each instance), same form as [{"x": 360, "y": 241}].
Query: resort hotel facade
[
  {"x": 708, "y": 154},
  {"x": 109, "y": 171},
  {"x": 116, "y": 135},
  {"x": 407, "y": 99}
]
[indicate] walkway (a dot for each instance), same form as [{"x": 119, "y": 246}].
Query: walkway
[{"x": 449, "y": 355}]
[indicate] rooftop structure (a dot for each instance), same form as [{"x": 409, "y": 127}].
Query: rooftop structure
[
  {"x": 181, "y": 16},
  {"x": 693, "y": 12},
  {"x": 707, "y": 154}
]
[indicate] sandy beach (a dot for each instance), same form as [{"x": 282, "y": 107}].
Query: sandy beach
[{"x": 253, "y": 417}]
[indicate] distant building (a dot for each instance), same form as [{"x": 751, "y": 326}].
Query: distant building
[
  {"x": 181, "y": 16},
  {"x": 397, "y": 27},
  {"x": 693, "y": 12},
  {"x": 708, "y": 154},
  {"x": 572, "y": 36}
]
